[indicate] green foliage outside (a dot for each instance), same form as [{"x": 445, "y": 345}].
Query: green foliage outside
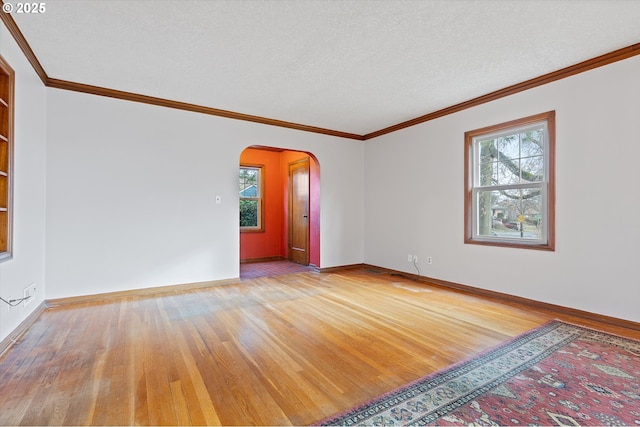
[
  {"x": 249, "y": 180},
  {"x": 248, "y": 213}
]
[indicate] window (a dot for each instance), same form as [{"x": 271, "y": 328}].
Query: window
[
  {"x": 510, "y": 185},
  {"x": 6, "y": 158},
  {"x": 251, "y": 210}
]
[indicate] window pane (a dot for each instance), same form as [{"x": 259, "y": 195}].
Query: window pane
[
  {"x": 512, "y": 159},
  {"x": 248, "y": 213},
  {"x": 488, "y": 162},
  {"x": 532, "y": 169},
  {"x": 507, "y": 172},
  {"x": 532, "y": 143},
  {"x": 515, "y": 214},
  {"x": 249, "y": 181},
  {"x": 509, "y": 147}
]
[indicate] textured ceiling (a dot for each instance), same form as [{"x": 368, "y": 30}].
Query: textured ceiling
[{"x": 351, "y": 66}]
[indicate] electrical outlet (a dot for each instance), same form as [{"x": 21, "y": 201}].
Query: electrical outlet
[
  {"x": 29, "y": 293},
  {"x": 415, "y": 258},
  {"x": 429, "y": 260},
  {"x": 409, "y": 257}
]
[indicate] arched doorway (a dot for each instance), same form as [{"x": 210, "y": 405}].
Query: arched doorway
[{"x": 266, "y": 207}]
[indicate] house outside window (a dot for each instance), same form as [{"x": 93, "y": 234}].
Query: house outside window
[
  {"x": 251, "y": 197},
  {"x": 510, "y": 183}
]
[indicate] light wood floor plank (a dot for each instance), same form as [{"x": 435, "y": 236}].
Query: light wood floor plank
[{"x": 286, "y": 350}]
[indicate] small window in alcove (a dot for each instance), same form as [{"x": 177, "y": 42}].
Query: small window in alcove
[{"x": 251, "y": 197}]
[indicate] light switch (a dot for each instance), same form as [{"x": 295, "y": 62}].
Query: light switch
[{"x": 218, "y": 200}]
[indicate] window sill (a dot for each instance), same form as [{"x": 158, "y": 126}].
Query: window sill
[{"x": 535, "y": 246}]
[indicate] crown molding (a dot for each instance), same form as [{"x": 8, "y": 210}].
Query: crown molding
[
  {"x": 12, "y": 27},
  {"x": 590, "y": 64},
  {"x": 129, "y": 96}
]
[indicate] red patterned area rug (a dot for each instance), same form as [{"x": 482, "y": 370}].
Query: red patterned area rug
[{"x": 558, "y": 374}]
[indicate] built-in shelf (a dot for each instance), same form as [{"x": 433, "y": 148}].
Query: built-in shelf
[{"x": 6, "y": 158}]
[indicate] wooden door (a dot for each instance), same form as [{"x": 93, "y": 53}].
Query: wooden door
[{"x": 299, "y": 211}]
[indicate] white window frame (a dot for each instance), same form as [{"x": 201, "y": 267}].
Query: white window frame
[{"x": 473, "y": 186}]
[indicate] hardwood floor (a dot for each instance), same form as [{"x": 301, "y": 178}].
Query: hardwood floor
[
  {"x": 253, "y": 270},
  {"x": 285, "y": 350}
]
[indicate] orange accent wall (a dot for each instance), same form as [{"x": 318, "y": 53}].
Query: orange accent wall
[
  {"x": 273, "y": 241},
  {"x": 265, "y": 244},
  {"x": 314, "y": 213}
]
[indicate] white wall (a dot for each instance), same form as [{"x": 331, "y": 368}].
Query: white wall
[
  {"x": 414, "y": 197},
  {"x": 131, "y": 194},
  {"x": 27, "y": 264}
]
